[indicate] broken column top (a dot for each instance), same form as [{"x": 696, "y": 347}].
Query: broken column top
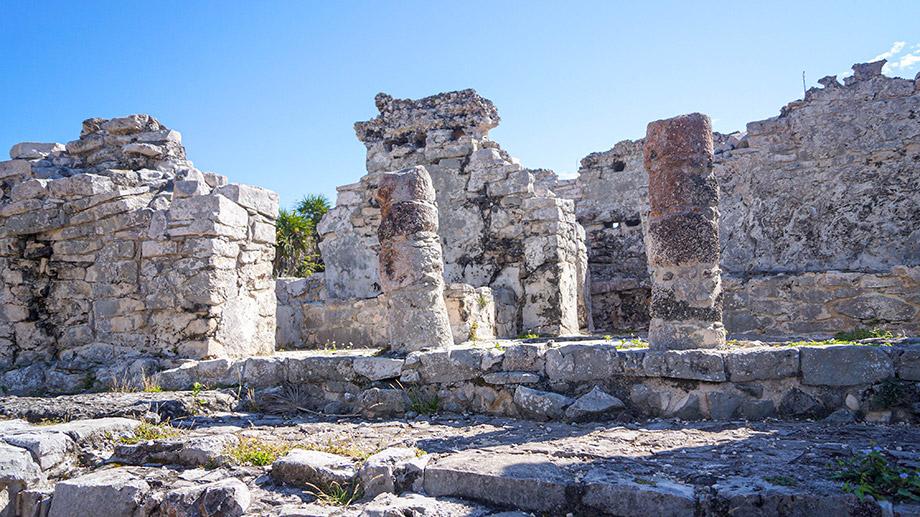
[
  {"x": 458, "y": 110},
  {"x": 678, "y": 156}
]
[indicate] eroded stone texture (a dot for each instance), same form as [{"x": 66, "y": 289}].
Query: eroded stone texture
[
  {"x": 500, "y": 226},
  {"x": 117, "y": 254},
  {"x": 683, "y": 235},
  {"x": 411, "y": 268},
  {"x": 818, "y": 217}
]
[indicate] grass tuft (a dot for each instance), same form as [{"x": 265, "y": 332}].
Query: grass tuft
[
  {"x": 335, "y": 494},
  {"x": 147, "y": 432},
  {"x": 256, "y": 452}
]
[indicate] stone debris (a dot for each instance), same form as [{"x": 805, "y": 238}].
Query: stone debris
[
  {"x": 393, "y": 470},
  {"x": 411, "y": 268},
  {"x": 593, "y": 404},
  {"x": 683, "y": 235}
]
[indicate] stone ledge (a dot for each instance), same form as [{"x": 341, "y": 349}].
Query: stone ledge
[{"x": 542, "y": 381}]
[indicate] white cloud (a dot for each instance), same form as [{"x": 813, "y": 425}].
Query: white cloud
[
  {"x": 901, "y": 58},
  {"x": 908, "y": 60},
  {"x": 895, "y": 49}
]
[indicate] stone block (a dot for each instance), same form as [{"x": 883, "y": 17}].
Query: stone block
[
  {"x": 593, "y": 404},
  {"x": 617, "y": 495},
  {"x": 260, "y": 200},
  {"x": 756, "y": 364},
  {"x": 541, "y": 405},
  {"x": 576, "y": 363},
  {"x": 300, "y": 467},
  {"x": 114, "y": 492},
  {"x": 378, "y": 368},
  {"x": 34, "y": 150},
  {"x": 907, "y": 363},
  {"x": 528, "y": 482},
  {"x": 226, "y": 498},
  {"x": 844, "y": 365},
  {"x": 700, "y": 365}
]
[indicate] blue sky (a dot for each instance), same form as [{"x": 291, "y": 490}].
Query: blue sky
[{"x": 267, "y": 92}]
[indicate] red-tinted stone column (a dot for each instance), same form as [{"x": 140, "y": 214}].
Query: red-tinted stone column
[
  {"x": 683, "y": 235},
  {"x": 411, "y": 266}
]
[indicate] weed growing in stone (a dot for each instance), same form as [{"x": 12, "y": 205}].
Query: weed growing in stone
[
  {"x": 872, "y": 473},
  {"x": 147, "y": 432},
  {"x": 608, "y": 337},
  {"x": 891, "y": 393},
  {"x": 528, "y": 335},
  {"x": 340, "y": 447},
  {"x": 863, "y": 333},
  {"x": 832, "y": 341},
  {"x": 335, "y": 494},
  {"x": 633, "y": 343},
  {"x": 781, "y": 480},
  {"x": 482, "y": 301},
  {"x": 473, "y": 328},
  {"x": 256, "y": 452}
]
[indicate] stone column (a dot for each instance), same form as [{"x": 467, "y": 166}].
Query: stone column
[
  {"x": 682, "y": 241},
  {"x": 411, "y": 267}
]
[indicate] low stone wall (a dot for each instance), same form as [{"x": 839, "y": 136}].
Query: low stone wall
[
  {"x": 118, "y": 256},
  {"x": 822, "y": 303},
  {"x": 308, "y": 320},
  {"x": 590, "y": 380}
]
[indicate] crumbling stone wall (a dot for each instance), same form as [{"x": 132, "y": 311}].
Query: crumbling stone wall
[
  {"x": 307, "y": 318},
  {"x": 820, "y": 225},
  {"x": 499, "y": 226},
  {"x": 116, "y": 253}
]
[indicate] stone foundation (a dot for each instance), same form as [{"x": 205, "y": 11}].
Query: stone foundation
[
  {"x": 592, "y": 380},
  {"x": 117, "y": 254}
]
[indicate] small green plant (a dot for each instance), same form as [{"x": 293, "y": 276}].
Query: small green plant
[
  {"x": 147, "y": 432},
  {"x": 864, "y": 333},
  {"x": 473, "y": 328},
  {"x": 608, "y": 337},
  {"x": 335, "y": 494},
  {"x": 832, "y": 341},
  {"x": 150, "y": 385},
  {"x": 528, "y": 335},
  {"x": 419, "y": 452},
  {"x": 340, "y": 447},
  {"x": 633, "y": 342},
  {"x": 643, "y": 481},
  {"x": 482, "y": 301},
  {"x": 197, "y": 387},
  {"x": 256, "y": 452},
  {"x": 781, "y": 480},
  {"x": 891, "y": 393},
  {"x": 871, "y": 473},
  {"x": 424, "y": 405},
  {"x": 498, "y": 346}
]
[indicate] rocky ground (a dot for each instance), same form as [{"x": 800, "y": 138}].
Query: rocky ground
[{"x": 190, "y": 454}]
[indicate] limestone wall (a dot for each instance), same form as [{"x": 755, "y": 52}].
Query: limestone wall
[
  {"x": 818, "y": 207},
  {"x": 308, "y": 319},
  {"x": 500, "y": 226},
  {"x": 117, "y": 254}
]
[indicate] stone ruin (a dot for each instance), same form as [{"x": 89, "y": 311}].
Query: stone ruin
[
  {"x": 124, "y": 268},
  {"x": 118, "y": 256},
  {"x": 820, "y": 220}
]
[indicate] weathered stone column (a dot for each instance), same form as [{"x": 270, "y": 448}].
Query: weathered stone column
[
  {"x": 411, "y": 267},
  {"x": 683, "y": 235}
]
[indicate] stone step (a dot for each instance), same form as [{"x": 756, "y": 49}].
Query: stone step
[{"x": 559, "y": 485}]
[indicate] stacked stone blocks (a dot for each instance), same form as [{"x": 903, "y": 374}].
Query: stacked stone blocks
[{"x": 117, "y": 253}]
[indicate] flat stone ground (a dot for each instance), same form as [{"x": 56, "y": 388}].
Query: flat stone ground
[{"x": 489, "y": 464}]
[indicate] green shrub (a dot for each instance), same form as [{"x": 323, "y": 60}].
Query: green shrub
[{"x": 872, "y": 473}]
